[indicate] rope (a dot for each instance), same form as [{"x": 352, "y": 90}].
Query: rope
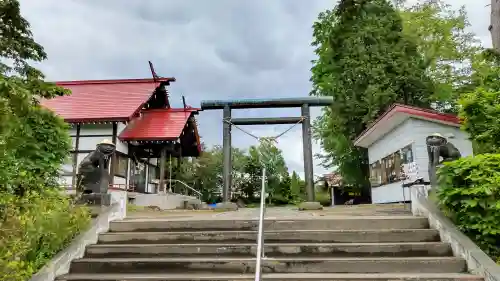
[
  {"x": 265, "y": 155},
  {"x": 302, "y": 118},
  {"x": 241, "y": 129},
  {"x": 227, "y": 120}
]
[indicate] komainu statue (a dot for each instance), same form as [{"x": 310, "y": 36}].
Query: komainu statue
[
  {"x": 93, "y": 175},
  {"x": 438, "y": 147}
]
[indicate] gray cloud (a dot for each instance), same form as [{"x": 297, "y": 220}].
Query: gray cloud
[{"x": 216, "y": 49}]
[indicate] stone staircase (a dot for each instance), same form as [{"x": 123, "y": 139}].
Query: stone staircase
[{"x": 319, "y": 248}]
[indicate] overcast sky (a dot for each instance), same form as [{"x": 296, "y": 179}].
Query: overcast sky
[{"x": 217, "y": 49}]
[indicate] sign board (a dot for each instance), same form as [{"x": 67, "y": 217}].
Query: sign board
[{"x": 410, "y": 172}]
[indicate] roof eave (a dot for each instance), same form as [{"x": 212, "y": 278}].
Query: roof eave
[
  {"x": 115, "y": 81},
  {"x": 126, "y": 139},
  {"x": 406, "y": 112},
  {"x": 97, "y": 120}
]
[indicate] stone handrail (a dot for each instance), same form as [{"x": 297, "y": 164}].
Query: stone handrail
[{"x": 477, "y": 261}]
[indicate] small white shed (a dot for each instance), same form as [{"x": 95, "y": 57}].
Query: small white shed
[{"x": 398, "y": 137}]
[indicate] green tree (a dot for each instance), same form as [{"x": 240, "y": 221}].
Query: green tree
[
  {"x": 365, "y": 63},
  {"x": 207, "y": 174},
  {"x": 276, "y": 170},
  {"x": 448, "y": 48},
  {"x": 253, "y": 171},
  {"x": 37, "y": 219},
  {"x": 296, "y": 187},
  {"x": 34, "y": 142},
  {"x": 480, "y": 112}
]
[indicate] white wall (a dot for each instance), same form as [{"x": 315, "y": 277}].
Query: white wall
[
  {"x": 412, "y": 131},
  {"x": 92, "y": 134},
  {"x": 120, "y": 181},
  {"x": 390, "y": 193},
  {"x": 121, "y": 146}
]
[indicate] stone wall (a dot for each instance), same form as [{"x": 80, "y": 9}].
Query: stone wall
[{"x": 477, "y": 261}]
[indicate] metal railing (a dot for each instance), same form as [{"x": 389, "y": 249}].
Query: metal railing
[
  {"x": 186, "y": 186},
  {"x": 260, "y": 236}
]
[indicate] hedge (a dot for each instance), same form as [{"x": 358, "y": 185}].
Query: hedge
[
  {"x": 469, "y": 193},
  {"x": 33, "y": 229}
]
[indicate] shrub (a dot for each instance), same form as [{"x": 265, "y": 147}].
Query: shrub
[
  {"x": 469, "y": 193},
  {"x": 480, "y": 112},
  {"x": 34, "y": 228},
  {"x": 323, "y": 197}
]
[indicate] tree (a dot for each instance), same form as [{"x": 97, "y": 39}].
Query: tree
[
  {"x": 37, "y": 219},
  {"x": 207, "y": 172},
  {"x": 480, "y": 112},
  {"x": 446, "y": 45},
  {"x": 296, "y": 187},
  {"x": 34, "y": 142},
  {"x": 272, "y": 158},
  {"x": 494, "y": 27},
  {"x": 365, "y": 63}
]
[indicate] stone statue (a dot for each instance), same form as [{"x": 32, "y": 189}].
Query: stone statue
[
  {"x": 93, "y": 175},
  {"x": 438, "y": 147}
]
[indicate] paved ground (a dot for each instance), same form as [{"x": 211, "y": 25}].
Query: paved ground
[{"x": 279, "y": 212}]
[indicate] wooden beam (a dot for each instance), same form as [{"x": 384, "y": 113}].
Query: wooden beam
[
  {"x": 75, "y": 156},
  {"x": 114, "y": 159},
  {"x": 163, "y": 159}
]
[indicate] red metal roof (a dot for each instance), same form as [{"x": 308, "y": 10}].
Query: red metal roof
[
  {"x": 157, "y": 124},
  {"x": 405, "y": 111},
  {"x": 103, "y": 100}
]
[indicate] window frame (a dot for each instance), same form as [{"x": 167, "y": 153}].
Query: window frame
[{"x": 389, "y": 169}]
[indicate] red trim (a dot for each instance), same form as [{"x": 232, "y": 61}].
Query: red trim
[
  {"x": 113, "y": 81},
  {"x": 188, "y": 109},
  {"x": 106, "y": 120},
  {"x": 410, "y": 110}
]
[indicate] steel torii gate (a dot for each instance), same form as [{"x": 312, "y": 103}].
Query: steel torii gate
[{"x": 304, "y": 103}]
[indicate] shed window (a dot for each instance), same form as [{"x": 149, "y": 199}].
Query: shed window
[{"x": 390, "y": 168}]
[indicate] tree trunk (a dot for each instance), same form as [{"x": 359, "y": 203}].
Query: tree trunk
[{"x": 495, "y": 24}]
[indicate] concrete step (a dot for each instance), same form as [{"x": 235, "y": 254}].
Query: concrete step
[
  {"x": 274, "y": 277},
  {"x": 415, "y": 249},
  {"x": 318, "y": 223},
  {"x": 318, "y": 236},
  {"x": 269, "y": 265}
]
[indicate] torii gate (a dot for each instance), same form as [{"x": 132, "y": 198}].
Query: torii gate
[{"x": 304, "y": 119}]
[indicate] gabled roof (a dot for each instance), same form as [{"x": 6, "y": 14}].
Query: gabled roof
[
  {"x": 157, "y": 124},
  {"x": 397, "y": 114},
  {"x": 103, "y": 100}
]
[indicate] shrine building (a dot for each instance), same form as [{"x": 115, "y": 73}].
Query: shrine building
[
  {"x": 398, "y": 138},
  {"x": 135, "y": 114}
]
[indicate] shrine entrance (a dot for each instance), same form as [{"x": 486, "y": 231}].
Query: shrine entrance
[{"x": 305, "y": 119}]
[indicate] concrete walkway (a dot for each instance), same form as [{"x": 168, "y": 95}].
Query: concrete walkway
[{"x": 277, "y": 213}]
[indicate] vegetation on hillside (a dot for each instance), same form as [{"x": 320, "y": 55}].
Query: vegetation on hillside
[
  {"x": 205, "y": 175},
  {"x": 36, "y": 219}
]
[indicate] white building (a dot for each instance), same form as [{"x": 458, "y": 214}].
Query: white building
[
  {"x": 135, "y": 114},
  {"x": 397, "y": 138}
]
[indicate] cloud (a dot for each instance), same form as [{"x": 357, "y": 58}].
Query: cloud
[{"x": 219, "y": 49}]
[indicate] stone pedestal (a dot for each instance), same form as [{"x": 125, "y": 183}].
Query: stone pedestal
[
  {"x": 308, "y": 206},
  {"x": 96, "y": 199},
  {"x": 192, "y": 204},
  {"x": 226, "y": 206}
]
